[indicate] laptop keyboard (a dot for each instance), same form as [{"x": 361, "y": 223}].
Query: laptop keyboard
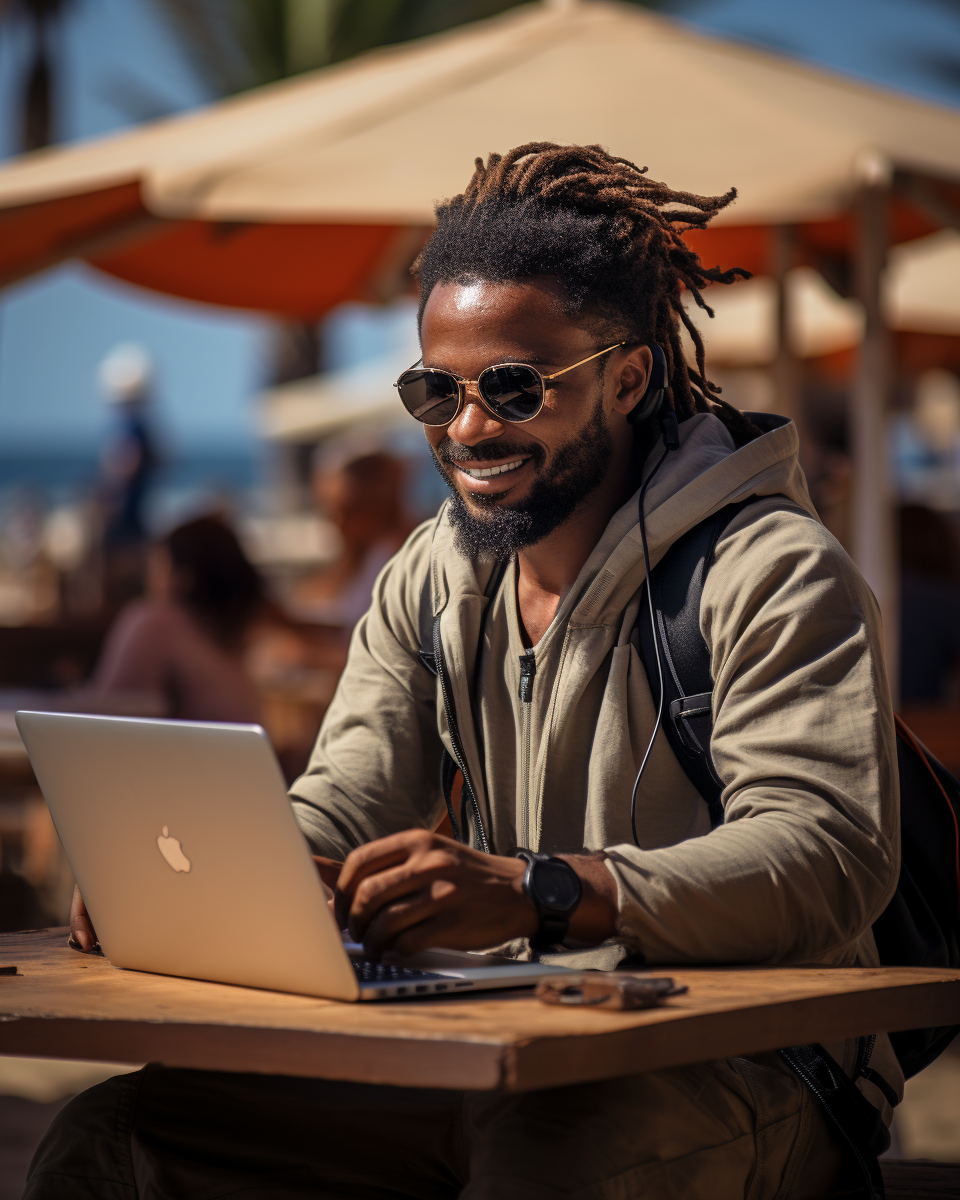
[
  {"x": 380, "y": 972},
  {"x": 392, "y": 981}
]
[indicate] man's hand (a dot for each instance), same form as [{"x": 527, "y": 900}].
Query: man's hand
[
  {"x": 81, "y": 927},
  {"x": 418, "y": 889},
  {"x": 328, "y": 869}
]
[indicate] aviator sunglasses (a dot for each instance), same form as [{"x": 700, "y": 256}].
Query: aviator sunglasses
[{"x": 508, "y": 391}]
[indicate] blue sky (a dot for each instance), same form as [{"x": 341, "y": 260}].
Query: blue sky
[
  {"x": 913, "y": 45},
  {"x": 121, "y": 62}
]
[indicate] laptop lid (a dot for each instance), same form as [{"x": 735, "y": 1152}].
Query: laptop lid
[{"x": 188, "y": 856}]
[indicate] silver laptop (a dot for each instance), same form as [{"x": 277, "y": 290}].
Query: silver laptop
[{"x": 190, "y": 862}]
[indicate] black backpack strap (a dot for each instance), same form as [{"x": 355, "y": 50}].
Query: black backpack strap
[
  {"x": 858, "y": 1124},
  {"x": 677, "y": 582}
]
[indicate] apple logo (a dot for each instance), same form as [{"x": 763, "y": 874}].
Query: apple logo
[{"x": 170, "y": 849}]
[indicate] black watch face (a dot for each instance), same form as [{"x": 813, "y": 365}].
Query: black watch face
[{"x": 557, "y": 885}]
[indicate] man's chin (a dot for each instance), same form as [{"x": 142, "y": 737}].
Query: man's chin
[{"x": 490, "y": 528}]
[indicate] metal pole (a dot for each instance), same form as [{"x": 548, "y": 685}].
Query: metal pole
[
  {"x": 786, "y": 371},
  {"x": 874, "y": 532}
]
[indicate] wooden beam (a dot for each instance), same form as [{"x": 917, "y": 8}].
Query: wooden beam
[{"x": 874, "y": 535}]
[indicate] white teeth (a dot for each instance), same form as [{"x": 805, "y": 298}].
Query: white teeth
[{"x": 486, "y": 472}]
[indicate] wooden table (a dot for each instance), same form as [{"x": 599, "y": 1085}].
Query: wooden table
[{"x": 67, "y": 1005}]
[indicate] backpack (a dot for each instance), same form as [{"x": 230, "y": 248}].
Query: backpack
[{"x": 921, "y": 924}]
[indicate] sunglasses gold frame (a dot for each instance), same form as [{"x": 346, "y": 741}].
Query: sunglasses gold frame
[{"x": 463, "y": 383}]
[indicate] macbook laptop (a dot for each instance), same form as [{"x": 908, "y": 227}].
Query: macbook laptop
[{"x": 190, "y": 862}]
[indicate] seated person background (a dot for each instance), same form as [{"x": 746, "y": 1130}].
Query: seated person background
[
  {"x": 362, "y": 494},
  {"x": 185, "y": 639}
]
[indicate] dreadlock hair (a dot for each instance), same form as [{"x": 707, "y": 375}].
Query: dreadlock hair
[{"x": 608, "y": 233}]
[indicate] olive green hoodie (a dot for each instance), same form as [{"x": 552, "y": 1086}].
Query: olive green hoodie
[{"x": 808, "y": 853}]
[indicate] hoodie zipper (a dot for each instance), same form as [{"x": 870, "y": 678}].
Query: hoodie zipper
[{"x": 528, "y": 671}]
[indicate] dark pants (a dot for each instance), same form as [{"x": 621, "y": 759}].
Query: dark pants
[{"x": 726, "y": 1130}]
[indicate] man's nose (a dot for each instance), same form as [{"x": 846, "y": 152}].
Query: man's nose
[{"x": 474, "y": 424}]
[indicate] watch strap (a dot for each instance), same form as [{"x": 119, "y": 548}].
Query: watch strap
[
  {"x": 553, "y": 925},
  {"x": 552, "y": 932}
]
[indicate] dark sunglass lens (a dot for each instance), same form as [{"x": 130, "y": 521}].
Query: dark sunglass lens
[
  {"x": 514, "y": 392},
  {"x": 430, "y": 396}
]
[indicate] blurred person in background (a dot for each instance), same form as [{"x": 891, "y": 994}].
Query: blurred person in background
[
  {"x": 185, "y": 640},
  {"x": 929, "y": 606},
  {"x": 130, "y": 459},
  {"x": 127, "y": 469},
  {"x": 298, "y": 652},
  {"x": 360, "y": 490}
]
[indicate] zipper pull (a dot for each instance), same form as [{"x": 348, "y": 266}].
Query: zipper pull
[{"x": 528, "y": 669}]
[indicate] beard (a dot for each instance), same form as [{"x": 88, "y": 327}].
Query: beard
[{"x": 577, "y": 469}]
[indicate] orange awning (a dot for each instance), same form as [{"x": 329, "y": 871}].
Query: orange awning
[{"x": 293, "y": 270}]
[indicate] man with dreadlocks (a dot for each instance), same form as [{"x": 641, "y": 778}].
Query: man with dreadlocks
[{"x": 551, "y": 294}]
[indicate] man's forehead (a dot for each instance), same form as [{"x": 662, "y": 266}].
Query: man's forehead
[
  {"x": 487, "y": 322},
  {"x": 483, "y": 297}
]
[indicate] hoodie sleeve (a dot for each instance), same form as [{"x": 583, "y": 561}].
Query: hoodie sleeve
[
  {"x": 375, "y": 768},
  {"x": 808, "y": 854}
]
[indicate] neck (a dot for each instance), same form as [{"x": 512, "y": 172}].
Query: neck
[{"x": 548, "y": 570}]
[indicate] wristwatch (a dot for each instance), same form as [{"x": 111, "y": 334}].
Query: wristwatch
[{"x": 554, "y": 889}]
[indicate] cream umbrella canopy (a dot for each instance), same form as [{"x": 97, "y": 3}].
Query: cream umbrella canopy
[
  {"x": 293, "y": 197},
  {"x": 703, "y": 113}
]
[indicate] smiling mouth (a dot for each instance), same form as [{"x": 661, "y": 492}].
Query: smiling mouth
[{"x": 487, "y": 472}]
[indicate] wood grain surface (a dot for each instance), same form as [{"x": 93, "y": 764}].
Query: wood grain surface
[{"x": 68, "y": 1005}]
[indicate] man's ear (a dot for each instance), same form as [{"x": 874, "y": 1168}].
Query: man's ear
[{"x": 633, "y": 379}]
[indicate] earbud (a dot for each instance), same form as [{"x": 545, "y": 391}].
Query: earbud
[{"x": 652, "y": 400}]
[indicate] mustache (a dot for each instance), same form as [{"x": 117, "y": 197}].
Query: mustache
[{"x": 449, "y": 451}]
